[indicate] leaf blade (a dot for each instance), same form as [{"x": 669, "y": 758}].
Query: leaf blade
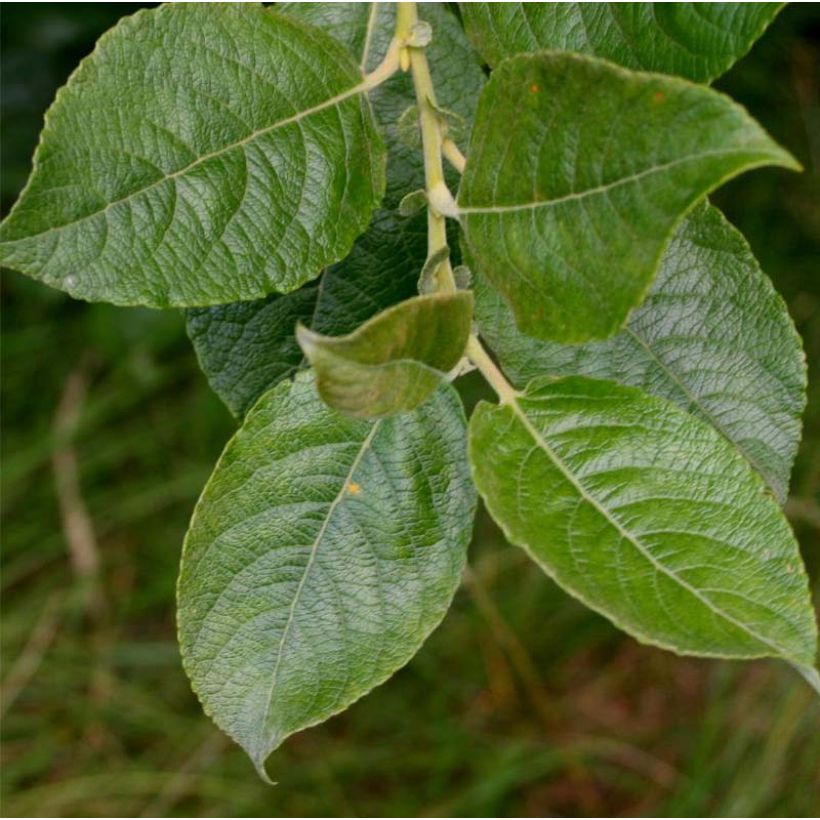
[
  {"x": 568, "y": 210},
  {"x": 202, "y": 189},
  {"x": 384, "y": 264},
  {"x": 713, "y": 336},
  {"x": 693, "y": 40},
  {"x": 345, "y": 541},
  {"x": 646, "y": 515},
  {"x": 394, "y": 361}
]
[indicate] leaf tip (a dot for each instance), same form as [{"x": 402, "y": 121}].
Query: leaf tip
[
  {"x": 259, "y": 765},
  {"x": 810, "y": 674},
  {"x": 307, "y": 339}
]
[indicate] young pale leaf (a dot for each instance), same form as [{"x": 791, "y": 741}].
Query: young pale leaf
[
  {"x": 578, "y": 173},
  {"x": 204, "y": 153},
  {"x": 429, "y": 277},
  {"x": 245, "y": 349},
  {"x": 696, "y": 40},
  {"x": 413, "y": 203},
  {"x": 323, "y": 552},
  {"x": 713, "y": 336},
  {"x": 647, "y": 515},
  {"x": 393, "y": 362}
]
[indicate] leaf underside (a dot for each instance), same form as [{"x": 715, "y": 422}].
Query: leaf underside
[
  {"x": 578, "y": 173},
  {"x": 322, "y": 553},
  {"x": 647, "y": 515},
  {"x": 203, "y": 154},
  {"x": 713, "y": 336},
  {"x": 394, "y": 361},
  {"x": 695, "y": 40}
]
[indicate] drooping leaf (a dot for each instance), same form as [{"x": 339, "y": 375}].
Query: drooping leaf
[
  {"x": 695, "y": 40},
  {"x": 647, "y": 515},
  {"x": 713, "y": 336},
  {"x": 393, "y": 362},
  {"x": 321, "y": 554},
  {"x": 243, "y": 356},
  {"x": 204, "y": 153},
  {"x": 578, "y": 173}
]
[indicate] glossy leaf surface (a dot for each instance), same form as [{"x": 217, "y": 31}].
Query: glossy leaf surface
[
  {"x": 204, "y": 153},
  {"x": 713, "y": 336},
  {"x": 393, "y": 362},
  {"x": 695, "y": 40},
  {"x": 578, "y": 173},
  {"x": 322, "y": 553},
  {"x": 647, "y": 515}
]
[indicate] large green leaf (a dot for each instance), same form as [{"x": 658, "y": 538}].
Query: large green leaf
[
  {"x": 577, "y": 175},
  {"x": 647, "y": 515},
  {"x": 696, "y": 40},
  {"x": 713, "y": 336},
  {"x": 246, "y": 348},
  {"x": 394, "y": 361},
  {"x": 322, "y": 553},
  {"x": 204, "y": 153}
]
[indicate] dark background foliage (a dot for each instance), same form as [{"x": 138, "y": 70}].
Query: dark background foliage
[{"x": 522, "y": 703}]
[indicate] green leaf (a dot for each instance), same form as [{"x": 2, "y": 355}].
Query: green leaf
[
  {"x": 647, "y": 515},
  {"x": 247, "y": 348},
  {"x": 394, "y": 361},
  {"x": 204, "y": 153},
  {"x": 324, "y": 550},
  {"x": 367, "y": 29},
  {"x": 696, "y": 40},
  {"x": 713, "y": 336},
  {"x": 578, "y": 173}
]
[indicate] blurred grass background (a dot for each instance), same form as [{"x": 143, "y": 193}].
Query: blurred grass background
[{"x": 522, "y": 703}]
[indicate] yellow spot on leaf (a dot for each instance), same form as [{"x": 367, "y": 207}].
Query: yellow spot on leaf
[
  {"x": 353, "y": 488},
  {"x": 534, "y": 88}
]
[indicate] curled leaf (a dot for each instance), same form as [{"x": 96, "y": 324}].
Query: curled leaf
[{"x": 394, "y": 361}]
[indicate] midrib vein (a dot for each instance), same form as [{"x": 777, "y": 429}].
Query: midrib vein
[
  {"x": 626, "y": 534},
  {"x": 368, "y": 37},
  {"x": 311, "y": 559},
  {"x": 359, "y": 88},
  {"x": 599, "y": 189}
]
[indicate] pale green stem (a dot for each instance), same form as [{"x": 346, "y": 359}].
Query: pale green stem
[
  {"x": 437, "y": 192},
  {"x": 406, "y": 18},
  {"x": 386, "y": 69},
  {"x": 488, "y": 368},
  {"x": 453, "y": 155}
]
